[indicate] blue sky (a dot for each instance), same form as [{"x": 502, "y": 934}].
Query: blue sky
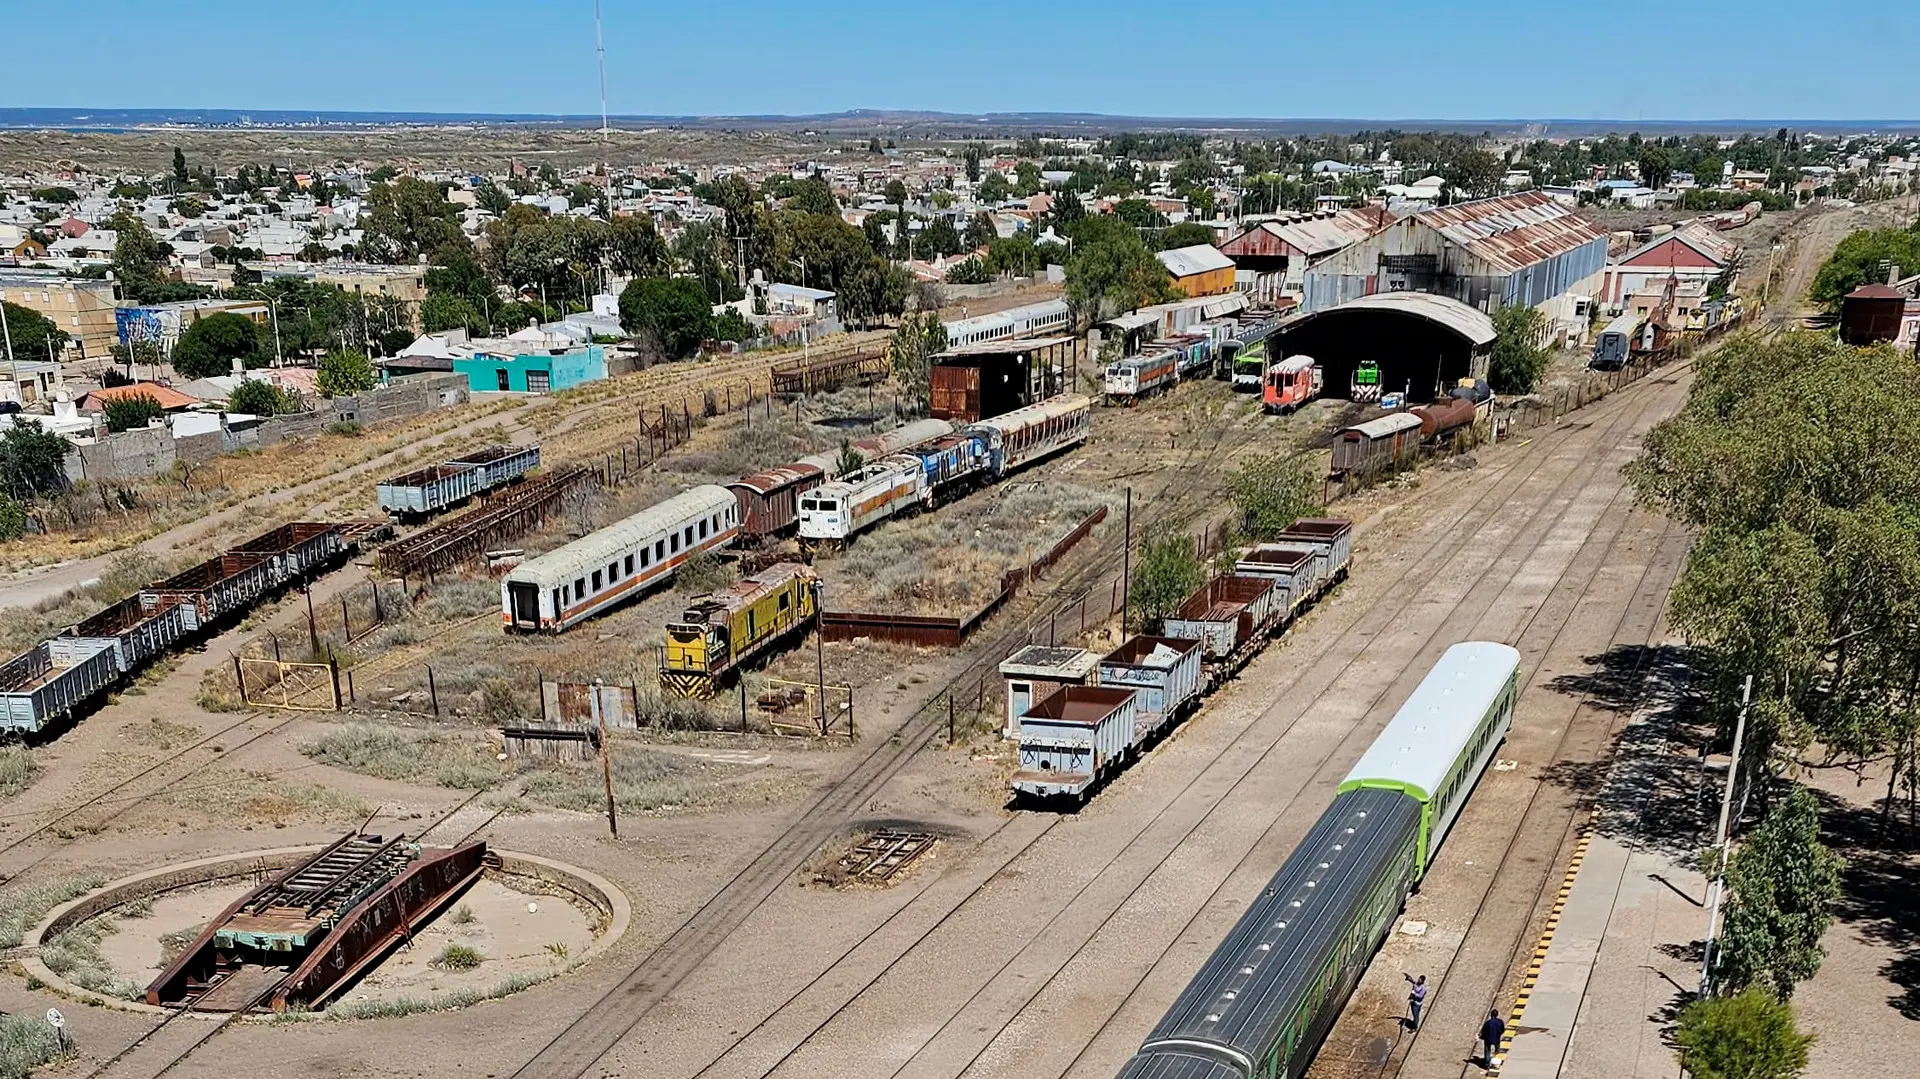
[{"x": 1378, "y": 59}]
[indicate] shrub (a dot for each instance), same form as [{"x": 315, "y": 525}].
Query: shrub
[
  {"x": 258, "y": 398},
  {"x": 968, "y": 272},
  {"x": 345, "y": 372},
  {"x": 17, "y": 769},
  {"x": 1518, "y": 356},
  {"x": 457, "y": 957},
  {"x": 1750, "y": 1036},
  {"x": 26, "y": 1043},
  {"x": 132, "y": 411}
]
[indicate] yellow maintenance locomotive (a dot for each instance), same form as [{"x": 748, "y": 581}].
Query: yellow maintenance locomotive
[{"x": 722, "y": 631}]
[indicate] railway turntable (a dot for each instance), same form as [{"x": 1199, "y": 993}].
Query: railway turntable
[{"x": 311, "y": 930}]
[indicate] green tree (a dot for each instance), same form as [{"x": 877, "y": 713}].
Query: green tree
[
  {"x": 1068, "y": 209},
  {"x": 672, "y": 313},
  {"x": 1026, "y": 178},
  {"x": 59, "y": 195},
  {"x": 1166, "y": 570},
  {"x": 138, "y": 258},
  {"x": 635, "y": 247},
  {"x": 32, "y": 332},
  {"x": 31, "y": 459},
  {"x": 132, "y": 411},
  {"x": 345, "y": 372},
  {"x": 910, "y": 351},
  {"x": 971, "y": 157},
  {"x": 731, "y": 325},
  {"x": 407, "y": 218},
  {"x": 490, "y": 197},
  {"x": 1784, "y": 882},
  {"x": 188, "y": 206},
  {"x": 1476, "y": 174},
  {"x": 443, "y": 311},
  {"x": 1271, "y": 491},
  {"x": 1186, "y": 234},
  {"x": 994, "y": 188},
  {"x": 1749, "y": 1036},
  {"x": 179, "y": 168},
  {"x": 1112, "y": 271},
  {"x": 980, "y": 232},
  {"x": 256, "y": 397},
  {"x": 1796, "y": 462},
  {"x": 1656, "y": 167},
  {"x": 814, "y": 196},
  {"x": 457, "y": 273},
  {"x": 1519, "y": 356},
  {"x": 971, "y": 271},
  {"x": 209, "y": 346},
  {"x": 1864, "y": 258},
  {"x": 382, "y": 174},
  {"x": 938, "y": 240}
]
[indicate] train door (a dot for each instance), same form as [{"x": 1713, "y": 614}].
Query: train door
[{"x": 524, "y": 599}]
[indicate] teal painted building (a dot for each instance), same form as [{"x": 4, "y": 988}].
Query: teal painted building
[{"x": 534, "y": 371}]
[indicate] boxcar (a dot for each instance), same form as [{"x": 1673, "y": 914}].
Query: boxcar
[
  {"x": 1073, "y": 739},
  {"x": 1026, "y": 435},
  {"x": 567, "y": 585},
  {"x": 770, "y": 500},
  {"x": 1377, "y": 444},
  {"x": 838, "y": 510}
]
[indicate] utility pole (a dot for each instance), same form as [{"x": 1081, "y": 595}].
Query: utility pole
[
  {"x": 1722, "y": 838},
  {"x": 606, "y": 756},
  {"x": 1126, "y": 568}
]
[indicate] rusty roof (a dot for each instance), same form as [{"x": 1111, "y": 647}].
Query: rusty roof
[{"x": 1512, "y": 232}]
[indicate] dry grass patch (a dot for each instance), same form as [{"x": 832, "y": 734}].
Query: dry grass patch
[
  {"x": 462, "y": 760},
  {"x": 244, "y": 796}
]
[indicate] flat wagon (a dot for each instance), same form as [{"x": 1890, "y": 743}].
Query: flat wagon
[
  {"x": 134, "y": 633},
  {"x": 1073, "y": 739},
  {"x": 51, "y": 679}
]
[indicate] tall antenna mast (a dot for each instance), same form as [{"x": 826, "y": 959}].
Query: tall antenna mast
[{"x": 606, "y": 167}]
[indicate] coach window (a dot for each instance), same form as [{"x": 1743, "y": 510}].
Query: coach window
[
  {"x": 674, "y": 546},
  {"x": 596, "y": 580},
  {"x": 646, "y": 558},
  {"x": 579, "y": 587},
  {"x": 556, "y": 600},
  {"x": 629, "y": 565},
  {"x": 659, "y": 550},
  {"x": 703, "y": 528}
]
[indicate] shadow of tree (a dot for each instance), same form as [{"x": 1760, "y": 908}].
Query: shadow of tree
[
  {"x": 1880, "y": 888},
  {"x": 1649, "y": 790}
]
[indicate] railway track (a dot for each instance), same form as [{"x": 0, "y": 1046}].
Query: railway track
[
  {"x": 195, "y": 1044},
  {"x": 574, "y": 1062},
  {"x": 1041, "y": 980}
]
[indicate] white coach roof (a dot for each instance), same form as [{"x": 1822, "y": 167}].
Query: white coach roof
[
  {"x": 1428, "y": 734},
  {"x": 595, "y": 549}
]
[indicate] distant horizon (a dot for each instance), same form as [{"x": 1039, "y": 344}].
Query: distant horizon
[{"x": 852, "y": 122}]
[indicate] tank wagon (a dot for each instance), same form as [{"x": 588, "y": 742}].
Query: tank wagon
[
  {"x": 1261, "y": 1005},
  {"x": 721, "y": 632},
  {"x": 434, "y": 488}
]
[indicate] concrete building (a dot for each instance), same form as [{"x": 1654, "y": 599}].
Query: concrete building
[
  {"x": 1200, "y": 270},
  {"x": 81, "y": 308},
  {"x": 29, "y": 382},
  {"x": 1523, "y": 248},
  {"x": 531, "y": 361}
]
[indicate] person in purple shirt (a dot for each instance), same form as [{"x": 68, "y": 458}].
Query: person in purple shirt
[{"x": 1416, "y": 999}]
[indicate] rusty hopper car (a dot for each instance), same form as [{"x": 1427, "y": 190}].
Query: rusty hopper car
[
  {"x": 134, "y": 633},
  {"x": 296, "y": 549},
  {"x": 1226, "y": 613},
  {"x": 770, "y": 500},
  {"x": 1294, "y": 569},
  {"x": 50, "y": 680},
  {"x": 1074, "y": 739},
  {"x": 1380, "y": 444},
  {"x": 1165, "y": 672},
  {"x": 215, "y": 588},
  {"x": 1331, "y": 537},
  {"x": 722, "y": 631}
]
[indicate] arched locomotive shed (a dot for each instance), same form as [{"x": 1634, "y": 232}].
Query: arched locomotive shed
[{"x": 1423, "y": 343}]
